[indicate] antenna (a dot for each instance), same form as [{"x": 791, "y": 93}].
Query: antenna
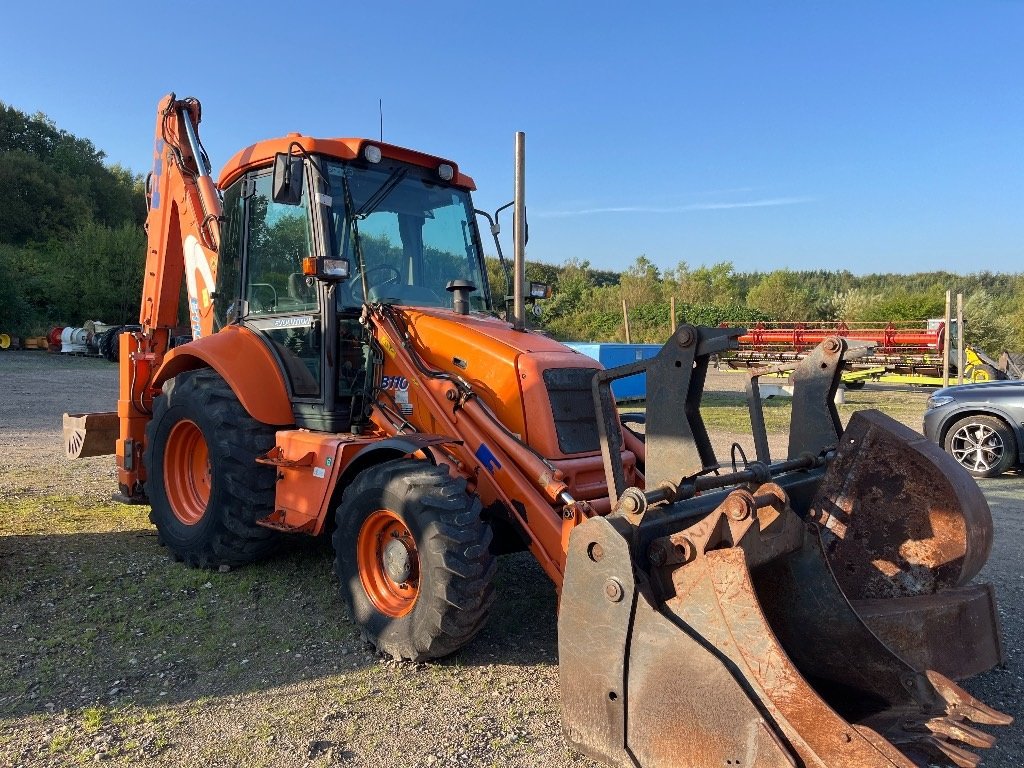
[{"x": 380, "y": 111}]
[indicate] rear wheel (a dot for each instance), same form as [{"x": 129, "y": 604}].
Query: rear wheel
[
  {"x": 413, "y": 558},
  {"x": 983, "y": 445},
  {"x": 202, "y": 479}
]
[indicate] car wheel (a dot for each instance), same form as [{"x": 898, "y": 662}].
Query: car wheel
[{"x": 983, "y": 445}]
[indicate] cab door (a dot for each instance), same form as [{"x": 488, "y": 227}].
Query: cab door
[{"x": 279, "y": 302}]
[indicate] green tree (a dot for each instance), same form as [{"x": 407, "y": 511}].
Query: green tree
[{"x": 782, "y": 296}]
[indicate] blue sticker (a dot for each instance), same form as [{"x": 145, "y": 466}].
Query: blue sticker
[{"x": 488, "y": 459}]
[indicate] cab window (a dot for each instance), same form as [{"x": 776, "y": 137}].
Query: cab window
[{"x": 279, "y": 238}]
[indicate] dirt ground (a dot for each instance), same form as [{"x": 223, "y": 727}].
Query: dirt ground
[{"x": 111, "y": 652}]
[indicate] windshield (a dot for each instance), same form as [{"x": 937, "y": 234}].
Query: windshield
[{"x": 416, "y": 234}]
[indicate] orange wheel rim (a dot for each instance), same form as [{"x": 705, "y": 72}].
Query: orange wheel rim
[
  {"x": 187, "y": 473},
  {"x": 389, "y": 566}
]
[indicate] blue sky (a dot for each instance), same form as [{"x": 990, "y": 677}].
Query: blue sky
[{"x": 871, "y": 136}]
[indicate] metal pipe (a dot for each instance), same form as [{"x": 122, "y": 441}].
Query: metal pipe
[
  {"x": 756, "y": 472},
  {"x": 945, "y": 341},
  {"x": 519, "y": 236},
  {"x": 193, "y": 142},
  {"x": 960, "y": 362}
]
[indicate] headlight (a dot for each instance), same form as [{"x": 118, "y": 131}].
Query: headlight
[{"x": 936, "y": 401}]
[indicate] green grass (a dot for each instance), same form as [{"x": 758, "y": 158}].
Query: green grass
[{"x": 728, "y": 411}]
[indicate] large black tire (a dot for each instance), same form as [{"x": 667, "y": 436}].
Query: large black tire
[
  {"x": 438, "y": 543},
  {"x": 983, "y": 445},
  {"x": 205, "y": 512},
  {"x": 106, "y": 339}
]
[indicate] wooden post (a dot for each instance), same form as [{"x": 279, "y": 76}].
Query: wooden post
[
  {"x": 625, "y": 320},
  {"x": 945, "y": 342},
  {"x": 960, "y": 338},
  {"x": 672, "y": 314}
]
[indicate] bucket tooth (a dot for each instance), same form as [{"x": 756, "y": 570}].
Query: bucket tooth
[
  {"x": 960, "y": 703},
  {"x": 951, "y": 729}
]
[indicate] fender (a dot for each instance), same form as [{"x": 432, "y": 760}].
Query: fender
[
  {"x": 244, "y": 362},
  {"x": 391, "y": 448},
  {"x": 315, "y": 468}
]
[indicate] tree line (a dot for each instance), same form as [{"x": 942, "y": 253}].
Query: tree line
[
  {"x": 72, "y": 248},
  {"x": 587, "y": 304}
]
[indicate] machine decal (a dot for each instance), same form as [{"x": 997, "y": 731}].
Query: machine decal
[
  {"x": 399, "y": 383},
  {"x": 487, "y": 458},
  {"x": 158, "y": 168},
  {"x": 303, "y": 321},
  {"x": 388, "y": 347},
  {"x": 196, "y": 264},
  {"x": 402, "y": 401}
]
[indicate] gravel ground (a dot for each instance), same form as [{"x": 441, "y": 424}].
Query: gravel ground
[{"x": 110, "y": 652}]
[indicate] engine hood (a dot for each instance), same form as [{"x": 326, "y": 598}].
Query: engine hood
[{"x": 505, "y": 367}]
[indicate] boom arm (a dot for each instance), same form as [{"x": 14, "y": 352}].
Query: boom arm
[
  {"x": 183, "y": 227},
  {"x": 183, "y": 222}
]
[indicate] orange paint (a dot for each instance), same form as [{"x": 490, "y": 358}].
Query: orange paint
[
  {"x": 243, "y": 360},
  {"x": 262, "y": 154}
]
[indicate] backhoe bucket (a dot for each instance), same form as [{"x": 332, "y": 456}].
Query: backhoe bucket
[
  {"x": 704, "y": 621},
  {"x": 90, "y": 434}
]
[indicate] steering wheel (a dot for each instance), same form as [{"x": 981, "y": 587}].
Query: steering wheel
[{"x": 356, "y": 281}]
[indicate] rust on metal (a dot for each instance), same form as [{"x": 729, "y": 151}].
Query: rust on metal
[
  {"x": 955, "y": 631},
  {"x": 900, "y": 516},
  {"x": 742, "y": 652}
]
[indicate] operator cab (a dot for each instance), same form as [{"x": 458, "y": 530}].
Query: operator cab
[{"x": 377, "y": 224}]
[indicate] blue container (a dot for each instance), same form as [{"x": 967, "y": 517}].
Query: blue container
[{"x": 612, "y": 355}]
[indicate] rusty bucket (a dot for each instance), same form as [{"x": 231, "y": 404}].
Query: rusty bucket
[{"x": 715, "y": 631}]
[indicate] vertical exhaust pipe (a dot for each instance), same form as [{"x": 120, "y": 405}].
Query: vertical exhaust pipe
[{"x": 519, "y": 236}]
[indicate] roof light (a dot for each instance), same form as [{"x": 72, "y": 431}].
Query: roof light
[
  {"x": 446, "y": 172},
  {"x": 371, "y": 153}
]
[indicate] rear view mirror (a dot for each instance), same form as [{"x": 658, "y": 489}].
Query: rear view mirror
[{"x": 287, "y": 183}]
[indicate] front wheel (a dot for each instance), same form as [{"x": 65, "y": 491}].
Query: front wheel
[
  {"x": 202, "y": 479},
  {"x": 413, "y": 559},
  {"x": 983, "y": 445}
]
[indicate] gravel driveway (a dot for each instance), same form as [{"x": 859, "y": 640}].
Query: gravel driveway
[{"x": 111, "y": 652}]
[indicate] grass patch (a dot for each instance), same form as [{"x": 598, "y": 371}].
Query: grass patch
[
  {"x": 97, "y": 614},
  {"x": 728, "y": 411},
  {"x": 30, "y": 515}
]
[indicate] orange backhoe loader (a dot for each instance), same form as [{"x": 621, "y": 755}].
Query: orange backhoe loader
[{"x": 347, "y": 370}]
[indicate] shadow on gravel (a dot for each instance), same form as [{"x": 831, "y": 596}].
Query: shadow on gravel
[{"x": 108, "y": 619}]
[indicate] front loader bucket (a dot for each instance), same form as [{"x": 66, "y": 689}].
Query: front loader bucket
[
  {"x": 905, "y": 529},
  {"x": 738, "y": 648}
]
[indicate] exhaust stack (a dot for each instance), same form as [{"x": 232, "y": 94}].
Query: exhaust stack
[{"x": 519, "y": 236}]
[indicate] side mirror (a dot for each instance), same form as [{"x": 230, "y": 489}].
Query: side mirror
[{"x": 287, "y": 183}]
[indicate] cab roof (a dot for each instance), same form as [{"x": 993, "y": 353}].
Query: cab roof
[{"x": 261, "y": 154}]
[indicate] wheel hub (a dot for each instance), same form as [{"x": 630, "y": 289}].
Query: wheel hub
[
  {"x": 388, "y": 563},
  {"x": 397, "y": 562},
  {"x": 977, "y": 447}
]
